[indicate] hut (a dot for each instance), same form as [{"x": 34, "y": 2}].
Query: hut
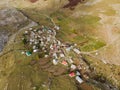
[
  {"x": 28, "y": 53},
  {"x": 76, "y": 51},
  {"x": 73, "y": 67},
  {"x": 79, "y": 79},
  {"x": 72, "y": 74},
  {"x": 64, "y": 63},
  {"x": 55, "y": 61}
]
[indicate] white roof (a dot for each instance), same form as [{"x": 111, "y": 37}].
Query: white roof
[
  {"x": 96, "y": 53},
  {"x": 55, "y": 55},
  {"x": 42, "y": 43},
  {"x": 48, "y": 39},
  {"x": 31, "y": 40},
  {"x": 43, "y": 48},
  {"x": 35, "y": 30},
  {"x": 46, "y": 56},
  {"x": 73, "y": 66},
  {"x": 78, "y": 73},
  {"x": 62, "y": 55},
  {"x": 79, "y": 79},
  {"x": 26, "y": 32},
  {"x": 70, "y": 61},
  {"x": 55, "y": 62},
  {"x": 68, "y": 49},
  {"x": 22, "y": 52},
  {"x": 75, "y": 44},
  {"x": 35, "y": 50},
  {"x": 59, "y": 43},
  {"x": 76, "y": 51},
  {"x": 30, "y": 43},
  {"x": 30, "y": 28},
  {"x": 39, "y": 32},
  {"x": 36, "y": 42},
  {"x": 34, "y": 47},
  {"x": 57, "y": 27}
]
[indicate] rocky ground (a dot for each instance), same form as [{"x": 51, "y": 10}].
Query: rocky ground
[{"x": 11, "y": 21}]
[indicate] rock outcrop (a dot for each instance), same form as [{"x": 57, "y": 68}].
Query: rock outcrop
[{"x": 11, "y": 20}]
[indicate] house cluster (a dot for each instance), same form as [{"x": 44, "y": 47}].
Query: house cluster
[{"x": 44, "y": 40}]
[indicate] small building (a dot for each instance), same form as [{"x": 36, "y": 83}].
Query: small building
[
  {"x": 36, "y": 36},
  {"x": 68, "y": 49},
  {"x": 36, "y": 42},
  {"x": 79, "y": 79},
  {"x": 30, "y": 28},
  {"x": 35, "y": 50},
  {"x": 26, "y": 32},
  {"x": 59, "y": 43},
  {"x": 22, "y": 52},
  {"x": 46, "y": 56},
  {"x": 39, "y": 32},
  {"x": 48, "y": 39},
  {"x": 62, "y": 55},
  {"x": 28, "y": 53},
  {"x": 55, "y": 61},
  {"x": 73, "y": 67},
  {"x": 79, "y": 67},
  {"x": 34, "y": 47},
  {"x": 78, "y": 73},
  {"x": 64, "y": 63},
  {"x": 57, "y": 27},
  {"x": 42, "y": 44},
  {"x": 55, "y": 55},
  {"x": 76, "y": 51},
  {"x": 75, "y": 44},
  {"x": 72, "y": 74},
  {"x": 70, "y": 61},
  {"x": 96, "y": 53},
  {"x": 32, "y": 40},
  {"x": 35, "y": 30}
]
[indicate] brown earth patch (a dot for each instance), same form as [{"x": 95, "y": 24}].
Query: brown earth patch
[
  {"x": 73, "y": 3},
  {"x": 33, "y": 1}
]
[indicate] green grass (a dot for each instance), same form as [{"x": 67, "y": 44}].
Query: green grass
[
  {"x": 79, "y": 31},
  {"x": 87, "y": 19},
  {"x": 63, "y": 83},
  {"x": 92, "y": 44},
  {"x": 27, "y": 78},
  {"x": 110, "y": 12},
  {"x": 72, "y": 29}
]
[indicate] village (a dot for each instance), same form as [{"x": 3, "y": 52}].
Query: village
[{"x": 43, "y": 39}]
